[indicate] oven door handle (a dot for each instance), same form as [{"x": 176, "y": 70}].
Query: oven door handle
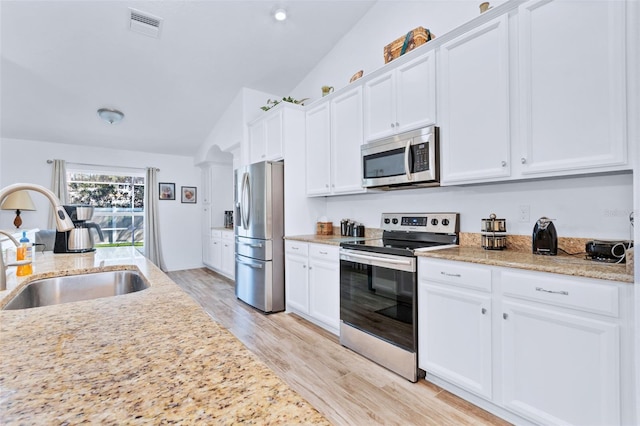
[
  {"x": 407, "y": 154},
  {"x": 400, "y": 264}
]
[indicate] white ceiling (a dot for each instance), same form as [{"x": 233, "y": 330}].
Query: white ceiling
[{"x": 62, "y": 60}]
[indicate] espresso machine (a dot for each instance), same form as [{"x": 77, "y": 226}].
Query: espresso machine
[{"x": 79, "y": 239}]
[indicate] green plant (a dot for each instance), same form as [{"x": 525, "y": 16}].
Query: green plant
[{"x": 271, "y": 103}]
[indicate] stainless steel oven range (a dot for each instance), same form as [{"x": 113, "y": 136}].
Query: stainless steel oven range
[{"x": 378, "y": 288}]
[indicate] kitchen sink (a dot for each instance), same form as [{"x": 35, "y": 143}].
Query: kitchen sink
[{"x": 74, "y": 288}]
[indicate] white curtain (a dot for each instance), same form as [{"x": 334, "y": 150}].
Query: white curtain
[
  {"x": 152, "y": 247},
  {"x": 58, "y": 186}
]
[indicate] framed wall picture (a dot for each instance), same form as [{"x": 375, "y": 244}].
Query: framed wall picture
[
  {"x": 188, "y": 194},
  {"x": 167, "y": 191}
]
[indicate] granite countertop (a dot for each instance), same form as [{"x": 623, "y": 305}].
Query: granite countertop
[
  {"x": 332, "y": 240},
  {"x": 152, "y": 356},
  {"x": 521, "y": 258},
  {"x": 561, "y": 264}
]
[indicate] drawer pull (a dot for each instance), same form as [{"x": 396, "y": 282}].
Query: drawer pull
[
  {"x": 484, "y": 311},
  {"x": 505, "y": 315},
  {"x": 564, "y": 293},
  {"x": 295, "y": 248},
  {"x": 450, "y": 275},
  {"x": 322, "y": 252}
]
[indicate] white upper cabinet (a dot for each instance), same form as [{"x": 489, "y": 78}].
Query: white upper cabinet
[
  {"x": 346, "y": 140},
  {"x": 402, "y": 99},
  {"x": 334, "y": 137},
  {"x": 268, "y": 133},
  {"x": 473, "y": 104},
  {"x": 318, "y": 153},
  {"x": 572, "y": 86}
]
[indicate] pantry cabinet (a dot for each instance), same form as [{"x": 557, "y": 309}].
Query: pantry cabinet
[
  {"x": 533, "y": 346},
  {"x": 333, "y": 140},
  {"x": 312, "y": 283},
  {"x": 473, "y": 104},
  {"x": 572, "y": 93},
  {"x": 402, "y": 99}
]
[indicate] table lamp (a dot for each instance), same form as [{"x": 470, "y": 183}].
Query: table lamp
[{"x": 19, "y": 200}]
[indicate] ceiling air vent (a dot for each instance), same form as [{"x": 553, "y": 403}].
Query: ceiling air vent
[{"x": 145, "y": 23}]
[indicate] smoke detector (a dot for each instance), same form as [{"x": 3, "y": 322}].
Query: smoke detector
[{"x": 144, "y": 23}]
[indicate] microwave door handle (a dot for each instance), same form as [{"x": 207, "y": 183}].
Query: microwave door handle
[{"x": 407, "y": 155}]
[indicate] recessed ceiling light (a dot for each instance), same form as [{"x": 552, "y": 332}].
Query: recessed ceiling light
[{"x": 280, "y": 15}]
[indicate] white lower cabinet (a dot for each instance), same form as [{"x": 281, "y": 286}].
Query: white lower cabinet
[
  {"x": 532, "y": 347},
  {"x": 220, "y": 253},
  {"x": 454, "y": 323},
  {"x": 312, "y": 283},
  {"x": 560, "y": 368},
  {"x": 228, "y": 255}
]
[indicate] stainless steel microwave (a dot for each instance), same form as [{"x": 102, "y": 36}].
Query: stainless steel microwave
[{"x": 403, "y": 160}]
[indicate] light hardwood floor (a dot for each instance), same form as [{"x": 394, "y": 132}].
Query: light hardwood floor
[{"x": 345, "y": 387}]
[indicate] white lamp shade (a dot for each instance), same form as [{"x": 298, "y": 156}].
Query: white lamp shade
[{"x": 19, "y": 200}]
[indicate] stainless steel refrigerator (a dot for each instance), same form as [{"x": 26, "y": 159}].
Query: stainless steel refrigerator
[{"x": 259, "y": 232}]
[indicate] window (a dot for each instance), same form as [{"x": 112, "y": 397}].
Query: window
[{"x": 118, "y": 198}]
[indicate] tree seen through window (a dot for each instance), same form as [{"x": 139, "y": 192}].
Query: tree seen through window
[{"x": 118, "y": 200}]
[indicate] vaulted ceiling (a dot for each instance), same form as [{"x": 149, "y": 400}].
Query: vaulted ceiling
[{"x": 63, "y": 60}]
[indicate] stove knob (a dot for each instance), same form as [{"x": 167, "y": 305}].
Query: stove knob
[
  {"x": 395, "y": 221},
  {"x": 434, "y": 221},
  {"x": 387, "y": 221},
  {"x": 445, "y": 222}
]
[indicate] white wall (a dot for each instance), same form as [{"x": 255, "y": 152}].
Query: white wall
[
  {"x": 26, "y": 161},
  {"x": 585, "y": 207},
  {"x": 362, "y": 48}
]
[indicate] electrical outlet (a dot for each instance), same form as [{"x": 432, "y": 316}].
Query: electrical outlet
[{"x": 524, "y": 213}]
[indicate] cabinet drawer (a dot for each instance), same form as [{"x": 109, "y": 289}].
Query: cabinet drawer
[
  {"x": 216, "y": 233},
  {"x": 462, "y": 274},
  {"x": 227, "y": 235},
  {"x": 324, "y": 252},
  {"x": 582, "y": 294},
  {"x": 296, "y": 247}
]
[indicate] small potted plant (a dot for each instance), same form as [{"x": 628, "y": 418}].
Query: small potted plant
[{"x": 271, "y": 103}]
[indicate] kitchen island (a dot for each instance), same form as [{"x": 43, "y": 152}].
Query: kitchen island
[{"x": 153, "y": 356}]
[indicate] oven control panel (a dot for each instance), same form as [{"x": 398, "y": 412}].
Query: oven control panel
[{"x": 441, "y": 223}]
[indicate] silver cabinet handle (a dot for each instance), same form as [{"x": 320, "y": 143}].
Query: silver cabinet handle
[
  {"x": 397, "y": 124},
  {"x": 450, "y": 275},
  {"x": 564, "y": 293},
  {"x": 505, "y": 316},
  {"x": 523, "y": 160},
  {"x": 304, "y": 266},
  {"x": 322, "y": 252},
  {"x": 392, "y": 125},
  {"x": 484, "y": 311},
  {"x": 310, "y": 268},
  {"x": 295, "y": 248},
  {"x": 504, "y": 164}
]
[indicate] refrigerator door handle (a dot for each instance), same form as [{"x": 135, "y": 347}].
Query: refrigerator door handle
[
  {"x": 245, "y": 202},
  {"x": 251, "y": 265}
]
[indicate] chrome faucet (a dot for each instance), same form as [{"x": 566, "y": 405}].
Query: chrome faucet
[
  {"x": 4, "y": 266},
  {"x": 63, "y": 222}
]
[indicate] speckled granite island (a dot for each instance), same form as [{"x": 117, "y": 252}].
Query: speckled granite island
[{"x": 151, "y": 357}]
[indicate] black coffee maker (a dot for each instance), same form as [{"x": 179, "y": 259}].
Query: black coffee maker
[
  {"x": 78, "y": 239},
  {"x": 544, "y": 239}
]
